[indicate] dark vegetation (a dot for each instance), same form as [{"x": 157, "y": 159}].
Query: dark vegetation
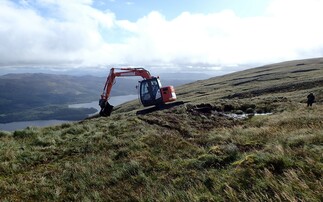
[{"x": 195, "y": 151}]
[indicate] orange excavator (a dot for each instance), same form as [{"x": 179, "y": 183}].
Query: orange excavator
[{"x": 151, "y": 91}]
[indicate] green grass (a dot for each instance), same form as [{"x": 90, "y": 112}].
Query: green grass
[
  {"x": 173, "y": 155},
  {"x": 151, "y": 157}
]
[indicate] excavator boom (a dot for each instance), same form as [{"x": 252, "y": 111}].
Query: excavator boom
[{"x": 123, "y": 73}]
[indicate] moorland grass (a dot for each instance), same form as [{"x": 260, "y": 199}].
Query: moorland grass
[
  {"x": 179, "y": 154},
  {"x": 263, "y": 158}
]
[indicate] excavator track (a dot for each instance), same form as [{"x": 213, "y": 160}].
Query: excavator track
[{"x": 159, "y": 107}]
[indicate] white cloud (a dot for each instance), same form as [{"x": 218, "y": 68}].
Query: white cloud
[
  {"x": 289, "y": 30},
  {"x": 74, "y": 35},
  {"x": 30, "y": 39}
]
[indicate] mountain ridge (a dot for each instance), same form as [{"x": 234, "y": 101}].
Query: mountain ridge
[{"x": 40, "y": 96}]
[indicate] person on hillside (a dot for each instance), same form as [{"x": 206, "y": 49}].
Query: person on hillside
[{"x": 310, "y": 99}]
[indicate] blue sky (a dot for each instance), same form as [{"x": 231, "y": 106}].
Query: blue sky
[
  {"x": 133, "y": 10},
  {"x": 218, "y": 36}
]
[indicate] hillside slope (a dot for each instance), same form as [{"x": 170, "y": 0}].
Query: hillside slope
[
  {"x": 190, "y": 152},
  {"x": 292, "y": 80}
]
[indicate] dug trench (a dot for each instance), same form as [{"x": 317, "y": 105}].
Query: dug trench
[{"x": 193, "y": 123}]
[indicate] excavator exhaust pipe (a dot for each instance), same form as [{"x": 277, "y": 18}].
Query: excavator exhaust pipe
[{"x": 106, "y": 109}]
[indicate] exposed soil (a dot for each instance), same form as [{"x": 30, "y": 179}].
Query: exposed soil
[{"x": 203, "y": 117}]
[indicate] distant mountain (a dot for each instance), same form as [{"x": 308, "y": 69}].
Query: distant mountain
[
  {"x": 23, "y": 93},
  {"x": 185, "y": 76}
]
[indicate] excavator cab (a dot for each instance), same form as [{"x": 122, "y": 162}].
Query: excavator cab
[{"x": 150, "y": 92}]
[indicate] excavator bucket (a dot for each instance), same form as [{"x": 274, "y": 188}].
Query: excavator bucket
[{"x": 106, "y": 110}]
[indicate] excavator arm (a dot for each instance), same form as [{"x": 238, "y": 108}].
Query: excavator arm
[{"x": 123, "y": 72}]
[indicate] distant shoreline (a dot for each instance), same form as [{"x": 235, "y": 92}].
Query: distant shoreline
[{"x": 19, "y": 125}]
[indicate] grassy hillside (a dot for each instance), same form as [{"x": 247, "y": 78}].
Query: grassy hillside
[{"x": 190, "y": 152}]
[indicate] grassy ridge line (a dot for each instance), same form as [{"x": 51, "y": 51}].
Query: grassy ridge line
[
  {"x": 293, "y": 79},
  {"x": 168, "y": 155}
]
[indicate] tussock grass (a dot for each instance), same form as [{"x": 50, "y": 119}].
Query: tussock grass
[
  {"x": 150, "y": 157},
  {"x": 180, "y": 155}
]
